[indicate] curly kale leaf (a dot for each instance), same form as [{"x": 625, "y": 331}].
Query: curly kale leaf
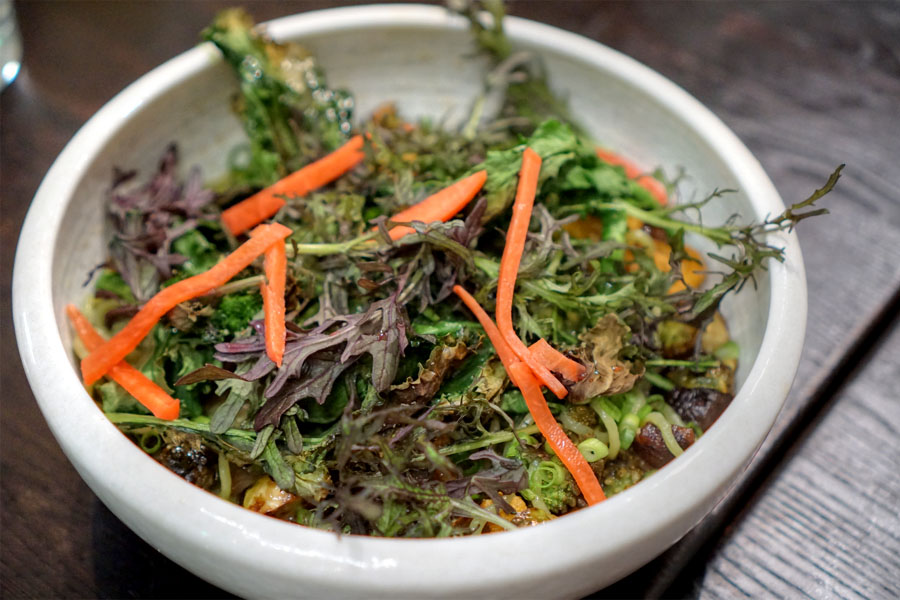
[
  {"x": 570, "y": 171},
  {"x": 289, "y": 113}
]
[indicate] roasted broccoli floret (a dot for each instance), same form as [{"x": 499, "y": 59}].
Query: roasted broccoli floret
[
  {"x": 676, "y": 339},
  {"x": 719, "y": 378},
  {"x": 550, "y": 483},
  {"x": 236, "y": 310}
]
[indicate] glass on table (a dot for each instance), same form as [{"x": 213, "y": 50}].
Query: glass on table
[{"x": 10, "y": 44}]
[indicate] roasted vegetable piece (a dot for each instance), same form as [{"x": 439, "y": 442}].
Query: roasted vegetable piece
[
  {"x": 553, "y": 485},
  {"x": 267, "y": 498},
  {"x": 523, "y": 517},
  {"x": 719, "y": 378},
  {"x": 234, "y": 312},
  {"x": 622, "y": 472},
  {"x": 676, "y": 339},
  {"x": 442, "y": 363},
  {"x": 715, "y": 335},
  {"x": 700, "y": 405},
  {"x": 187, "y": 456},
  {"x": 650, "y": 446}
]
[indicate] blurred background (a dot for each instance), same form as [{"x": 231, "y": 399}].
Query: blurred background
[{"x": 805, "y": 85}]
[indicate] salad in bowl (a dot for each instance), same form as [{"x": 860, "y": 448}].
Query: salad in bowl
[{"x": 401, "y": 329}]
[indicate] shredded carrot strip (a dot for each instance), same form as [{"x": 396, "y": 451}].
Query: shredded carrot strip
[
  {"x": 507, "y": 356},
  {"x": 556, "y": 361},
  {"x": 509, "y": 268},
  {"x": 520, "y": 374},
  {"x": 260, "y": 206},
  {"x": 275, "y": 265},
  {"x": 567, "y": 452},
  {"x": 441, "y": 206},
  {"x": 114, "y": 350},
  {"x": 153, "y": 397},
  {"x": 632, "y": 171}
]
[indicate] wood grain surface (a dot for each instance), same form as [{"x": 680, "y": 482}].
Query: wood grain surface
[
  {"x": 832, "y": 508},
  {"x": 805, "y": 85}
]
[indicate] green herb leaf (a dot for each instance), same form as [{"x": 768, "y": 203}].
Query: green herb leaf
[{"x": 277, "y": 466}]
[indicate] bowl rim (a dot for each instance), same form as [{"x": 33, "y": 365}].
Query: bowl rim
[{"x": 670, "y": 497}]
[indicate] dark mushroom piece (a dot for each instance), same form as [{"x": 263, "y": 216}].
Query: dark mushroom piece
[
  {"x": 194, "y": 462},
  {"x": 651, "y": 447},
  {"x": 700, "y": 405}
]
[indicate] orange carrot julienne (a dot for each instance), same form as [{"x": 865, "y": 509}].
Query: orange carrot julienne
[
  {"x": 252, "y": 211},
  {"x": 632, "y": 171},
  {"x": 265, "y": 203},
  {"x": 114, "y": 350},
  {"x": 509, "y": 268},
  {"x": 567, "y": 451},
  {"x": 520, "y": 374},
  {"x": 275, "y": 266},
  {"x": 442, "y": 206},
  {"x": 507, "y": 356},
  {"x": 556, "y": 361},
  {"x": 272, "y": 290},
  {"x": 153, "y": 397}
]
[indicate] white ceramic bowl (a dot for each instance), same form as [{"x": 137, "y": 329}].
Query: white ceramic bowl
[{"x": 416, "y": 56}]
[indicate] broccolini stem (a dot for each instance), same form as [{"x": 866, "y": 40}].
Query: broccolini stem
[
  {"x": 489, "y": 440},
  {"x": 691, "y": 364},
  {"x": 328, "y": 249},
  {"x": 719, "y": 235},
  {"x": 192, "y": 426},
  {"x": 184, "y": 424},
  {"x": 443, "y": 328},
  {"x": 234, "y": 286}
]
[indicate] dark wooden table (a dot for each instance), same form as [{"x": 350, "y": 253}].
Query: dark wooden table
[{"x": 806, "y": 85}]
